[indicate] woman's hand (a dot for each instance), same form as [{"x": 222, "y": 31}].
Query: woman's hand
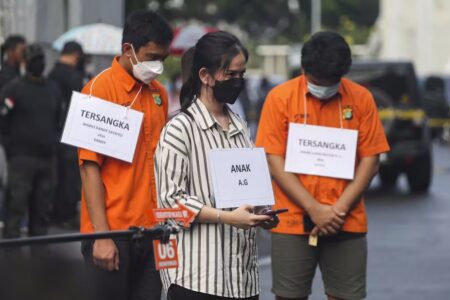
[{"x": 243, "y": 217}]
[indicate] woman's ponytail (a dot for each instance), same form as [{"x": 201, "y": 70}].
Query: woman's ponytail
[{"x": 188, "y": 94}]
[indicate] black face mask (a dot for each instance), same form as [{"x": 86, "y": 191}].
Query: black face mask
[
  {"x": 227, "y": 91},
  {"x": 36, "y": 67}
]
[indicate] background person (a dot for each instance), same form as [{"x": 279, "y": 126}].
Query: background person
[
  {"x": 30, "y": 107},
  {"x": 11, "y": 58},
  {"x": 66, "y": 75}
]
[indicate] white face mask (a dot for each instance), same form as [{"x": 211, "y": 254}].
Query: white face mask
[
  {"x": 323, "y": 92},
  {"x": 146, "y": 71}
]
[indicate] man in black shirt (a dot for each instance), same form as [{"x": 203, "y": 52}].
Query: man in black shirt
[
  {"x": 29, "y": 105},
  {"x": 11, "y": 57},
  {"x": 68, "y": 77}
]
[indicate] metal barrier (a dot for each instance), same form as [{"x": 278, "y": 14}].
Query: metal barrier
[{"x": 159, "y": 232}]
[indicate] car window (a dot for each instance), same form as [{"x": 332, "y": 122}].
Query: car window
[{"x": 389, "y": 85}]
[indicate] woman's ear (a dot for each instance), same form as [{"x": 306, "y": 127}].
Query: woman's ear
[{"x": 205, "y": 77}]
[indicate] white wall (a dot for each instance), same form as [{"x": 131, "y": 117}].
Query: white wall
[
  {"x": 44, "y": 20},
  {"x": 415, "y": 30},
  {"x": 12, "y": 16}
]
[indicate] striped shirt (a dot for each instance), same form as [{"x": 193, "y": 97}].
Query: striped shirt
[{"x": 215, "y": 259}]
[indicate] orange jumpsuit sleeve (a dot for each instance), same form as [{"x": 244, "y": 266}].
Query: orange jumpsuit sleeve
[
  {"x": 371, "y": 137},
  {"x": 273, "y": 125},
  {"x": 84, "y": 154}
]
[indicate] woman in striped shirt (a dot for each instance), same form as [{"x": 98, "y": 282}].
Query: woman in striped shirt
[{"x": 217, "y": 254}]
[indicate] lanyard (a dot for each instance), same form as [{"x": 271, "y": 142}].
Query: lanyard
[{"x": 132, "y": 102}]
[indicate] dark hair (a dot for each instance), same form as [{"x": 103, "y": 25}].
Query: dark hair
[
  {"x": 72, "y": 47},
  {"x": 214, "y": 51},
  {"x": 327, "y": 56},
  {"x": 33, "y": 51},
  {"x": 144, "y": 26},
  {"x": 11, "y": 43}
]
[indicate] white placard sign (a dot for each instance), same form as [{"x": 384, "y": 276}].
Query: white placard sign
[
  {"x": 240, "y": 176},
  {"x": 102, "y": 126},
  {"x": 322, "y": 151}
]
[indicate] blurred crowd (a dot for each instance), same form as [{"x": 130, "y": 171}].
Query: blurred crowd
[{"x": 40, "y": 181}]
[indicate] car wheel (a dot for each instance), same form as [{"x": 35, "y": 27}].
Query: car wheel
[
  {"x": 388, "y": 176},
  {"x": 419, "y": 174}
]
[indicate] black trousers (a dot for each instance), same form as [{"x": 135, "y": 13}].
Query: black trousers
[
  {"x": 30, "y": 190},
  {"x": 137, "y": 278},
  {"x": 177, "y": 292},
  {"x": 68, "y": 192}
]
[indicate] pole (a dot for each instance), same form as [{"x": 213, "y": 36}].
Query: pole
[
  {"x": 158, "y": 232},
  {"x": 316, "y": 16}
]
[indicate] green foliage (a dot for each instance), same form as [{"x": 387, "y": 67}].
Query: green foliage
[
  {"x": 353, "y": 19},
  {"x": 362, "y": 13},
  {"x": 171, "y": 68},
  {"x": 272, "y": 21},
  {"x": 266, "y": 21}
]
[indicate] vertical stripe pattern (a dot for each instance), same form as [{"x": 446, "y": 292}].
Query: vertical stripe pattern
[{"x": 215, "y": 259}]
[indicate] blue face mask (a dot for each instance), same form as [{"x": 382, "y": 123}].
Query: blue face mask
[{"x": 323, "y": 92}]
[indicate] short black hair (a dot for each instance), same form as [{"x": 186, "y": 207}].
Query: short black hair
[
  {"x": 33, "y": 51},
  {"x": 144, "y": 26},
  {"x": 12, "y": 41},
  {"x": 72, "y": 47},
  {"x": 326, "y": 56}
]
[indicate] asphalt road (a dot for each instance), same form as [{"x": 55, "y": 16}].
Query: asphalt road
[{"x": 409, "y": 247}]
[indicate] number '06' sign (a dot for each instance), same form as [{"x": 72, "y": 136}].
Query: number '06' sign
[{"x": 166, "y": 255}]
